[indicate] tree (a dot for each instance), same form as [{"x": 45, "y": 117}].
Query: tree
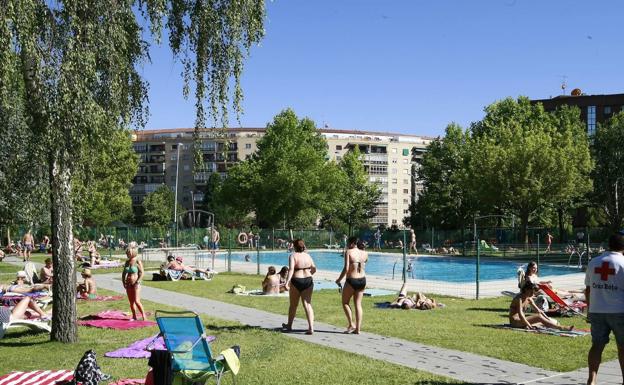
[
  {"x": 285, "y": 181},
  {"x": 158, "y": 207},
  {"x": 522, "y": 158},
  {"x": 76, "y": 67},
  {"x": 102, "y": 195},
  {"x": 357, "y": 196},
  {"x": 445, "y": 201},
  {"x": 216, "y": 201},
  {"x": 608, "y": 175}
]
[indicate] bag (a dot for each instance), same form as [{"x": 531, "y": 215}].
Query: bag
[
  {"x": 542, "y": 302},
  {"x": 88, "y": 371}
]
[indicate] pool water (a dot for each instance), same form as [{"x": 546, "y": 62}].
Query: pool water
[{"x": 446, "y": 269}]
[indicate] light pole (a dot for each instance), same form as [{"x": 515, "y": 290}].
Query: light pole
[{"x": 175, "y": 200}]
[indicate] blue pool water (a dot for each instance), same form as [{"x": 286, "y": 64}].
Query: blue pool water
[{"x": 447, "y": 269}]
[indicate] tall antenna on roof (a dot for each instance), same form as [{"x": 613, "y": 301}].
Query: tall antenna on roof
[{"x": 564, "y": 84}]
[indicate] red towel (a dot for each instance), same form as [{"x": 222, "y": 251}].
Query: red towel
[
  {"x": 119, "y": 324},
  {"x": 38, "y": 377},
  {"x": 129, "y": 381}
]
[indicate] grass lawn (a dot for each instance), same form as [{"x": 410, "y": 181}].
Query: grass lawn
[
  {"x": 266, "y": 356},
  {"x": 462, "y": 325}
]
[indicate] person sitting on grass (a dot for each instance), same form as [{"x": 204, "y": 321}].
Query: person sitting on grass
[
  {"x": 87, "y": 288},
  {"x": 283, "y": 276},
  {"x": 20, "y": 286},
  {"x": 19, "y": 311},
  {"x": 47, "y": 272},
  {"x": 518, "y": 319},
  {"x": 271, "y": 282},
  {"x": 415, "y": 301}
]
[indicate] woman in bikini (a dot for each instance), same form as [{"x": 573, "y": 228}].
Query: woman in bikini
[
  {"x": 299, "y": 284},
  {"x": 271, "y": 282},
  {"x": 131, "y": 278},
  {"x": 354, "y": 259},
  {"x": 518, "y": 319}
]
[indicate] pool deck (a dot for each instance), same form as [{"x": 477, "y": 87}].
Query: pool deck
[{"x": 487, "y": 289}]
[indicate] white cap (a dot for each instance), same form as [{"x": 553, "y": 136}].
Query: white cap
[{"x": 21, "y": 274}]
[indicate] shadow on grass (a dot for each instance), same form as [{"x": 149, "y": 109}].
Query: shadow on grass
[
  {"x": 15, "y": 340},
  {"x": 490, "y": 309}
]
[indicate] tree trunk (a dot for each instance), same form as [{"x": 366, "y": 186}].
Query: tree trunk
[
  {"x": 524, "y": 233},
  {"x": 64, "y": 286}
]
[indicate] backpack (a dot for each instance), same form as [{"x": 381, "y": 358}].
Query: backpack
[{"x": 88, "y": 371}]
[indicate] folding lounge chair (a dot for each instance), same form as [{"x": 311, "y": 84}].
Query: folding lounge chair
[
  {"x": 191, "y": 357},
  {"x": 574, "y": 307},
  {"x": 7, "y": 323}
]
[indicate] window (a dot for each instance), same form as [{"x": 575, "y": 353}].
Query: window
[
  {"x": 405, "y": 211},
  {"x": 406, "y": 171},
  {"x": 394, "y": 170},
  {"x": 405, "y": 201},
  {"x": 338, "y": 157},
  {"x": 405, "y": 181},
  {"x": 405, "y": 191},
  {"x": 394, "y": 191},
  {"x": 394, "y": 181},
  {"x": 187, "y": 167},
  {"x": 174, "y": 156},
  {"x": 394, "y": 161},
  {"x": 172, "y": 178},
  {"x": 591, "y": 120},
  {"x": 405, "y": 151},
  {"x": 338, "y": 147},
  {"x": 394, "y": 150},
  {"x": 185, "y": 156},
  {"x": 394, "y": 211},
  {"x": 607, "y": 110},
  {"x": 247, "y": 146},
  {"x": 405, "y": 161},
  {"x": 394, "y": 201}
]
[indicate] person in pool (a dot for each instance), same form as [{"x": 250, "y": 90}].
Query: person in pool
[
  {"x": 300, "y": 284},
  {"x": 518, "y": 319},
  {"x": 354, "y": 260}
]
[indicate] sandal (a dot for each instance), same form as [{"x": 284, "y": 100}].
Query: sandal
[{"x": 286, "y": 327}]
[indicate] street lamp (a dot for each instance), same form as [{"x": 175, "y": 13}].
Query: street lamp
[{"x": 175, "y": 200}]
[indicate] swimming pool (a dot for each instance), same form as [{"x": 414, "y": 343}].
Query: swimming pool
[{"x": 446, "y": 269}]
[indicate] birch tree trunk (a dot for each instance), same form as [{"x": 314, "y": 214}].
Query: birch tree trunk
[{"x": 64, "y": 284}]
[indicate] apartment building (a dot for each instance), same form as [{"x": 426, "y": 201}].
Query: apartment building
[{"x": 390, "y": 160}]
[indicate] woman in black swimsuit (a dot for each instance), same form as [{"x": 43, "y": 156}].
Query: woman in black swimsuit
[
  {"x": 301, "y": 269},
  {"x": 354, "y": 259}
]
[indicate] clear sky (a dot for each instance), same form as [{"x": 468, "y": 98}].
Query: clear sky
[{"x": 410, "y": 66}]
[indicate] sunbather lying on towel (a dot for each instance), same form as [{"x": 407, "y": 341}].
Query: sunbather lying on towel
[
  {"x": 518, "y": 319},
  {"x": 415, "y": 301}
]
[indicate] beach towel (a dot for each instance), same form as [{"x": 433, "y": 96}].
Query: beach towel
[
  {"x": 386, "y": 305},
  {"x": 106, "y": 265},
  {"x": 11, "y": 299},
  {"x": 138, "y": 349},
  {"x": 113, "y": 319},
  {"x": 37, "y": 377},
  {"x": 129, "y": 381},
  {"x": 543, "y": 330},
  {"x": 103, "y": 298},
  {"x": 259, "y": 292}
]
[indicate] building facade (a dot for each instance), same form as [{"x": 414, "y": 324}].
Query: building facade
[
  {"x": 166, "y": 157},
  {"x": 594, "y": 108}
]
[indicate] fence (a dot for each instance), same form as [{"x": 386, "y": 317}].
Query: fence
[{"x": 448, "y": 261}]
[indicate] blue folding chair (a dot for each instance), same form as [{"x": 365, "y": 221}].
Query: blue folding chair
[{"x": 191, "y": 357}]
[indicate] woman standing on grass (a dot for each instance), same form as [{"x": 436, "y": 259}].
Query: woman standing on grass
[
  {"x": 354, "y": 259},
  {"x": 131, "y": 278},
  {"x": 300, "y": 271}
]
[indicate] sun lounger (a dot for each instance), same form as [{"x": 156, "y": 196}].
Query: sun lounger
[
  {"x": 7, "y": 323},
  {"x": 575, "y": 307},
  {"x": 176, "y": 275}
]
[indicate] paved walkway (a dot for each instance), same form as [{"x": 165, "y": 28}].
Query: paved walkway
[{"x": 462, "y": 366}]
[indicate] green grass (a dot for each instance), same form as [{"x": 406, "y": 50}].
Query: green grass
[
  {"x": 267, "y": 356},
  {"x": 463, "y": 325}
]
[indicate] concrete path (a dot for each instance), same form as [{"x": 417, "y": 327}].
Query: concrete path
[
  {"x": 458, "y": 365},
  {"x": 462, "y": 366}
]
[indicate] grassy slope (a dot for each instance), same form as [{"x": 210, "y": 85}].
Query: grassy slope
[
  {"x": 462, "y": 325},
  {"x": 266, "y": 355}
]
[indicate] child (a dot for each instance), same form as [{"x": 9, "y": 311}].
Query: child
[{"x": 87, "y": 289}]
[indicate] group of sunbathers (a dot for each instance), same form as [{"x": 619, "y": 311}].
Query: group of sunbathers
[
  {"x": 177, "y": 264},
  {"x": 20, "y": 287},
  {"x": 274, "y": 282},
  {"x": 415, "y": 301}
]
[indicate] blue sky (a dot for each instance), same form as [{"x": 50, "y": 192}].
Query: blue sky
[{"x": 410, "y": 66}]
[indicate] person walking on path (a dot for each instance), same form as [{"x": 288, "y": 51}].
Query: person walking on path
[
  {"x": 29, "y": 243},
  {"x": 131, "y": 278},
  {"x": 300, "y": 285},
  {"x": 604, "y": 291},
  {"x": 354, "y": 260},
  {"x": 549, "y": 239}
]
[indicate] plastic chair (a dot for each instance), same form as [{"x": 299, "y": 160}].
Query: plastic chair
[{"x": 191, "y": 357}]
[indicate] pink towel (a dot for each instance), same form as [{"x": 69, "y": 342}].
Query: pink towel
[
  {"x": 108, "y": 314},
  {"x": 129, "y": 381},
  {"x": 118, "y": 324},
  {"x": 103, "y": 298}
]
